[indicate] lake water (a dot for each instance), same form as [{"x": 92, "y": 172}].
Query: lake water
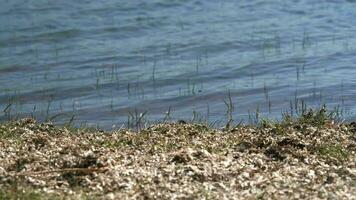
[{"x": 109, "y": 62}]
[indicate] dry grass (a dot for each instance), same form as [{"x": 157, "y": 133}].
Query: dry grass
[{"x": 310, "y": 157}]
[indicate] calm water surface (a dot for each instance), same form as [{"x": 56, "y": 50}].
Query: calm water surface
[{"x": 99, "y": 61}]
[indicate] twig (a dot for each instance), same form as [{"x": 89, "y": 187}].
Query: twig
[{"x": 84, "y": 170}]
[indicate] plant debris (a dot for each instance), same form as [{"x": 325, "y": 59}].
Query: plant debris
[{"x": 292, "y": 159}]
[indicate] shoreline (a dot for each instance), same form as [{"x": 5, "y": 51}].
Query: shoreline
[{"x": 307, "y": 157}]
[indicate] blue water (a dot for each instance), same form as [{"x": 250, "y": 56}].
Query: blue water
[{"x": 95, "y": 62}]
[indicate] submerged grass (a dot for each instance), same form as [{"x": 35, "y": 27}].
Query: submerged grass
[{"x": 310, "y": 156}]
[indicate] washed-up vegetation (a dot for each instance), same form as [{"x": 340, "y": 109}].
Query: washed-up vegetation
[{"x": 308, "y": 157}]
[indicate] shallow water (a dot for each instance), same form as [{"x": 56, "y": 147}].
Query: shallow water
[{"x": 99, "y": 61}]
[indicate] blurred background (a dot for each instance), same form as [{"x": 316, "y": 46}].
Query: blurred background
[{"x": 121, "y": 63}]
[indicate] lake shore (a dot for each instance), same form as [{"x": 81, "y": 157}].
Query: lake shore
[{"x": 308, "y": 157}]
